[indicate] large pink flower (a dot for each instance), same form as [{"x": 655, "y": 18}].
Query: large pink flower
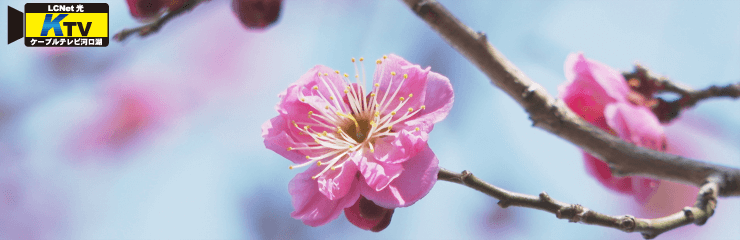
[
  {"x": 359, "y": 144},
  {"x": 601, "y": 96}
]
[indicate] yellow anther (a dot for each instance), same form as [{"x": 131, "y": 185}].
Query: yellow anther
[
  {"x": 377, "y": 113},
  {"x": 310, "y": 113},
  {"x": 372, "y": 150},
  {"x": 423, "y": 107},
  {"x": 372, "y": 122},
  {"x": 372, "y": 94},
  {"x": 306, "y": 127},
  {"x": 411, "y": 109},
  {"x": 378, "y": 62},
  {"x": 318, "y": 74},
  {"x": 377, "y": 84},
  {"x": 346, "y": 91},
  {"x": 330, "y": 98},
  {"x": 405, "y": 76},
  {"x": 377, "y": 106},
  {"x": 303, "y": 99},
  {"x": 390, "y": 127},
  {"x": 401, "y": 99},
  {"x": 327, "y": 106},
  {"x": 335, "y": 168},
  {"x": 336, "y": 71},
  {"x": 353, "y": 59},
  {"x": 313, "y": 177},
  {"x": 324, "y": 133},
  {"x": 393, "y": 73},
  {"x": 346, "y": 75},
  {"x": 326, "y": 74},
  {"x": 318, "y": 163},
  {"x": 315, "y": 87},
  {"x": 308, "y": 157},
  {"x": 317, "y": 141},
  {"x": 411, "y": 95},
  {"x": 357, "y": 76},
  {"x": 362, "y": 59},
  {"x": 290, "y": 167},
  {"x": 384, "y": 56},
  {"x": 417, "y": 129},
  {"x": 393, "y": 113},
  {"x": 290, "y": 148}
]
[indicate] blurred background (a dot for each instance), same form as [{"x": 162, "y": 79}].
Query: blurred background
[{"x": 159, "y": 138}]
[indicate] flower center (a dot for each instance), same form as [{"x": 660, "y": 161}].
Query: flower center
[
  {"x": 360, "y": 132},
  {"x": 351, "y": 127}
]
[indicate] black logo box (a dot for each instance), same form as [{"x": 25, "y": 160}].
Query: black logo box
[{"x": 86, "y": 7}]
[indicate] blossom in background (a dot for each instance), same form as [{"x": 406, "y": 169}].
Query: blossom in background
[
  {"x": 145, "y": 10},
  {"x": 366, "y": 152},
  {"x": 127, "y": 114},
  {"x": 601, "y": 96},
  {"x": 256, "y": 14}
]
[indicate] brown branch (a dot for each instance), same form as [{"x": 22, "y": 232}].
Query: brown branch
[
  {"x": 553, "y": 116},
  {"x": 153, "y": 27},
  {"x": 647, "y": 83},
  {"x": 706, "y": 202}
]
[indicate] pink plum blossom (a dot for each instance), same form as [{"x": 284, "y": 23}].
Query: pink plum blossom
[
  {"x": 366, "y": 152},
  {"x": 601, "y": 96}
]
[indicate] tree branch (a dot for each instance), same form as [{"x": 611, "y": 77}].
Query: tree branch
[
  {"x": 704, "y": 207},
  {"x": 153, "y": 27},
  {"x": 646, "y": 82},
  {"x": 553, "y": 116}
]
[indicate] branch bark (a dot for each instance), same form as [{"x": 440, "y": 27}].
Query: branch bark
[
  {"x": 553, "y": 116},
  {"x": 648, "y": 83},
  {"x": 153, "y": 27},
  {"x": 698, "y": 214}
]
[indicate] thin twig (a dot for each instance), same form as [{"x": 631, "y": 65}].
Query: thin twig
[
  {"x": 667, "y": 111},
  {"x": 153, "y": 27},
  {"x": 706, "y": 202},
  {"x": 553, "y": 116}
]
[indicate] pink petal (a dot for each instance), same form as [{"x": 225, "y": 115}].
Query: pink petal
[
  {"x": 311, "y": 206},
  {"x": 278, "y": 140},
  {"x": 377, "y": 174},
  {"x": 400, "y": 148},
  {"x": 600, "y": 170},
  {"x": 330, "y": 84},
  {"x": 335, "y": 184},
  {"x": 415, "y": 84},
  {"x": 296, "y": 106},
  {"x": 417, "y": 179},
  {"x": 642, "y": 188},
  {"x": 636, "y": 124},
  {"x": 438, "y": 100},
  {"x": 590, "y": 86}
]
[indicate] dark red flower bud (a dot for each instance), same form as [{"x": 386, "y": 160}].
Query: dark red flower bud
[
  {"x": 367, "y": 215},
  {"x": 256, "y": 14},
  {"x": 144, "y": 9},
  {"x": 369, "y": 210},
  {"x": 150, "y": 9}
]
